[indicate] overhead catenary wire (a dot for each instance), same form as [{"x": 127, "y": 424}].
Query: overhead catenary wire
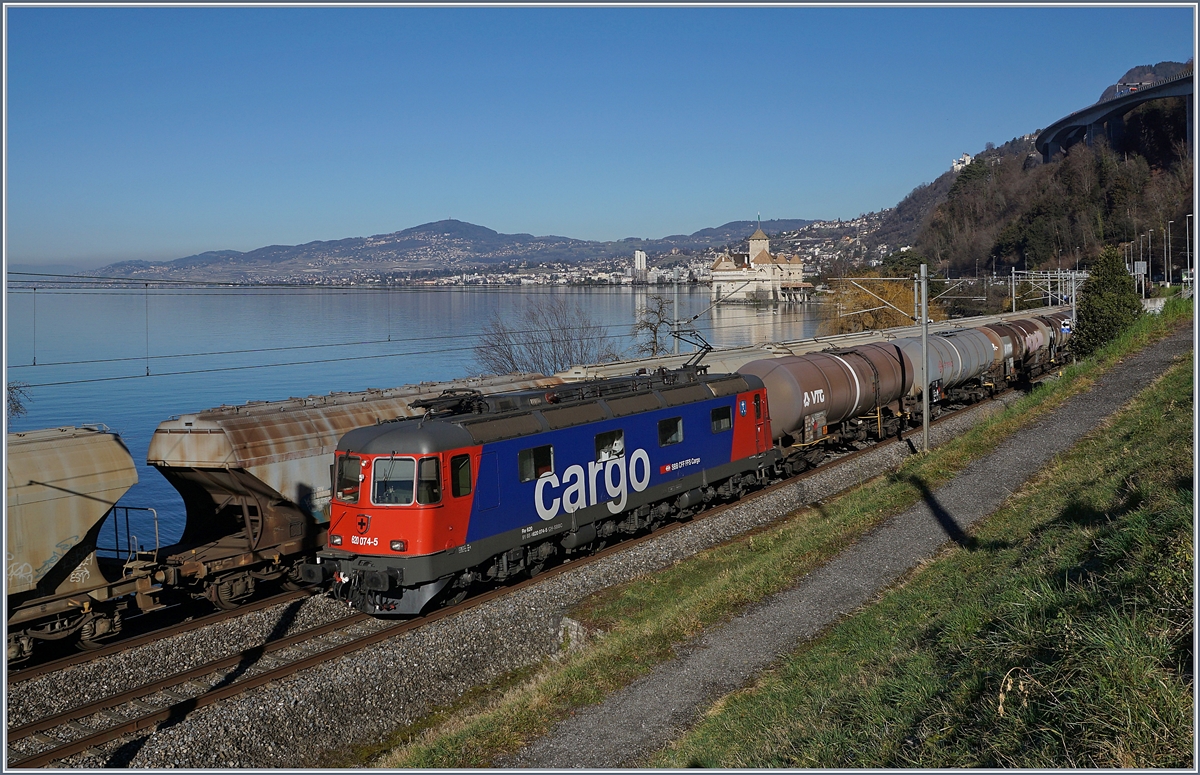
[
  {"x": 100, "y": 282},
  {"x": 147, "y": 295},
  {"x": 440, "y": 350},
  {"x": 359, "y": 343},
  {"x": 205, "y": 289}
]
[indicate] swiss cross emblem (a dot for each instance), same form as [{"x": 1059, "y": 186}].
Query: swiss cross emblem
[
  {"x": 364, "y": 524},
  {"x": 742, "y": 407}
]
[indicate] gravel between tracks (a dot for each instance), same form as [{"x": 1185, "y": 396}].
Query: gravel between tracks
[{"x": 359, "y": 698}]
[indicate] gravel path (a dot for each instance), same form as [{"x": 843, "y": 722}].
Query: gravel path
[
  {"x": 627, "y": 727},
  {"x": 358, "y": 699}
]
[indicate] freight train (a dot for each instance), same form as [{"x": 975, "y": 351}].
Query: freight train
[
  {"x": 481, "y": 488},
  {"x": 435, "y": 487}
]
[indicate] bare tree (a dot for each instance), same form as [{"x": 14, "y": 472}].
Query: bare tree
[
  {"x": 869, "y": 306},
  {"x": 18, "y": 395},
  {"x": 551, "y": 336},
  {"x": 653, "y": 326}
]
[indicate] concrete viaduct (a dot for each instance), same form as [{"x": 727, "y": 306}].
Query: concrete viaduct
[{"x": 1106, "y": 118}]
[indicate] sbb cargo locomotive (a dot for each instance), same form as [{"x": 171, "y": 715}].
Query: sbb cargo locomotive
[{"x": 485, "y": 487}]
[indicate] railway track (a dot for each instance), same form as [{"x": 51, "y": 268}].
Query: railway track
[
  {"x": 89, "y": 726},
  {"x": 81, "y": 657}
]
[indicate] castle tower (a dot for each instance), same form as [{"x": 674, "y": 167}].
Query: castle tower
[{"x": 759, "y": 243}]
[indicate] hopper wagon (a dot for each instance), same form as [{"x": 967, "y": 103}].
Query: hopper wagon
[{"x": 61, "y": 485}]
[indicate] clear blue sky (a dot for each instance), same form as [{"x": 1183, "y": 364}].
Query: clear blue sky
[{"x": 155, "y": 133}]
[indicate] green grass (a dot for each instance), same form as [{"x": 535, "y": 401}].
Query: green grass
[
  {"x": 1064, "y": 640},
  {"x": 645, "y": 620}
]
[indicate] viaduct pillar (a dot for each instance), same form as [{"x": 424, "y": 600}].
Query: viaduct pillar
[
  {"x": 1190, "y": 122},
  {"x": 1048, "y": 154}
]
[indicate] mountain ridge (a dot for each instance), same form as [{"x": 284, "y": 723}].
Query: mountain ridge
[{"x": 448, "y": 243}]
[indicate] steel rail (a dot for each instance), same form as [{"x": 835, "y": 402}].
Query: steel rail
[{"x": 120, "y": 644}]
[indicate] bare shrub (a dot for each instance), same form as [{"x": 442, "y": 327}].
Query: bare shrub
[
  {"x": 552, "y": 335},
  {"x": 18, "y": 395},
  {"x": 653, "y": 327}
]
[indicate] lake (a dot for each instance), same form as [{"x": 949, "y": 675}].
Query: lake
[{"x": 130, "y": 359}]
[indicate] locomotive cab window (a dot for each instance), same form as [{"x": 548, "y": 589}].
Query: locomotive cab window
[
  {"x": 536, "y": 462},
  {"x": 610, "y": 445},
  {"x": 429, "y": 481},
  {"x": 393, "y": 479},
  {"x": 670, "y": 431},
  {"x": 757, "y": 406},
  {"x": 722, "y": 419},
  {"x": 348, "y": 479},
  {"x": 460, "y": 475}
]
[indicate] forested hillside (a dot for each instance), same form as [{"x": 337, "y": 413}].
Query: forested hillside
[{"x": 1008, "y": 209}]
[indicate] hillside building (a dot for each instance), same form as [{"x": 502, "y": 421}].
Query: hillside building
[
  {"x": 639, "y": 266},
  {"x": 758, "y": 275}
]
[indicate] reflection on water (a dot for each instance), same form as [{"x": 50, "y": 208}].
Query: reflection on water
[{"x": 206, "y": 347}]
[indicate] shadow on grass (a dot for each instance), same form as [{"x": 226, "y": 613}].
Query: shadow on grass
[{"x": 123, "y": 756}]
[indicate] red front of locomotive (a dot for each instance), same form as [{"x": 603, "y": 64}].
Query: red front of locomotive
[{"x": 398, "y": 504}]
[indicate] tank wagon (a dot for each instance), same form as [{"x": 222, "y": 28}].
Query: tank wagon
[
  {"x": 479, "y": 489},
  {"x": 873, "y": 390},
  {"x": 255, "y": 480},
  {"x": 62, "y": 483},
  {"x": 731, "y": 359}
]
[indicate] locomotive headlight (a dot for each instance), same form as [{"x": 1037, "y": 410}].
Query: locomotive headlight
[
  {"x": 399, "y": 546},
  {"x": 335, "y": 540}
]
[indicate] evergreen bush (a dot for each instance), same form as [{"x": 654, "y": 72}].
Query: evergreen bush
[{"x": 1108, "y": 303}]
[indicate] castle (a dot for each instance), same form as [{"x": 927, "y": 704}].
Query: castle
[{"x": 758, "y": 275}]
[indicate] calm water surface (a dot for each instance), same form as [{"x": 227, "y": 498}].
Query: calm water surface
[{"x": 204, "y": 348}]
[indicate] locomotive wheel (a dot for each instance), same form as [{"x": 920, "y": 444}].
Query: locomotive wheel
[
  {"x": 292, "y": 582},
  {"x": 225, "y": 597},
  {"x": 93, "y": 630},
  {"x": 454, "y": 597}
]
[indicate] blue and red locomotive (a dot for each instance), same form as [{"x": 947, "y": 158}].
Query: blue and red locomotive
[{"x": 485, "y": 487}]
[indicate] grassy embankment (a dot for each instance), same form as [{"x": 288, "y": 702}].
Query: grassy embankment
[
  {"x": 1065, "y": 640},
  {"x": 643, "y": 621}
]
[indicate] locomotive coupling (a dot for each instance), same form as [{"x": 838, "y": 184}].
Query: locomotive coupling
[{"x": 313, "y": 573}]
